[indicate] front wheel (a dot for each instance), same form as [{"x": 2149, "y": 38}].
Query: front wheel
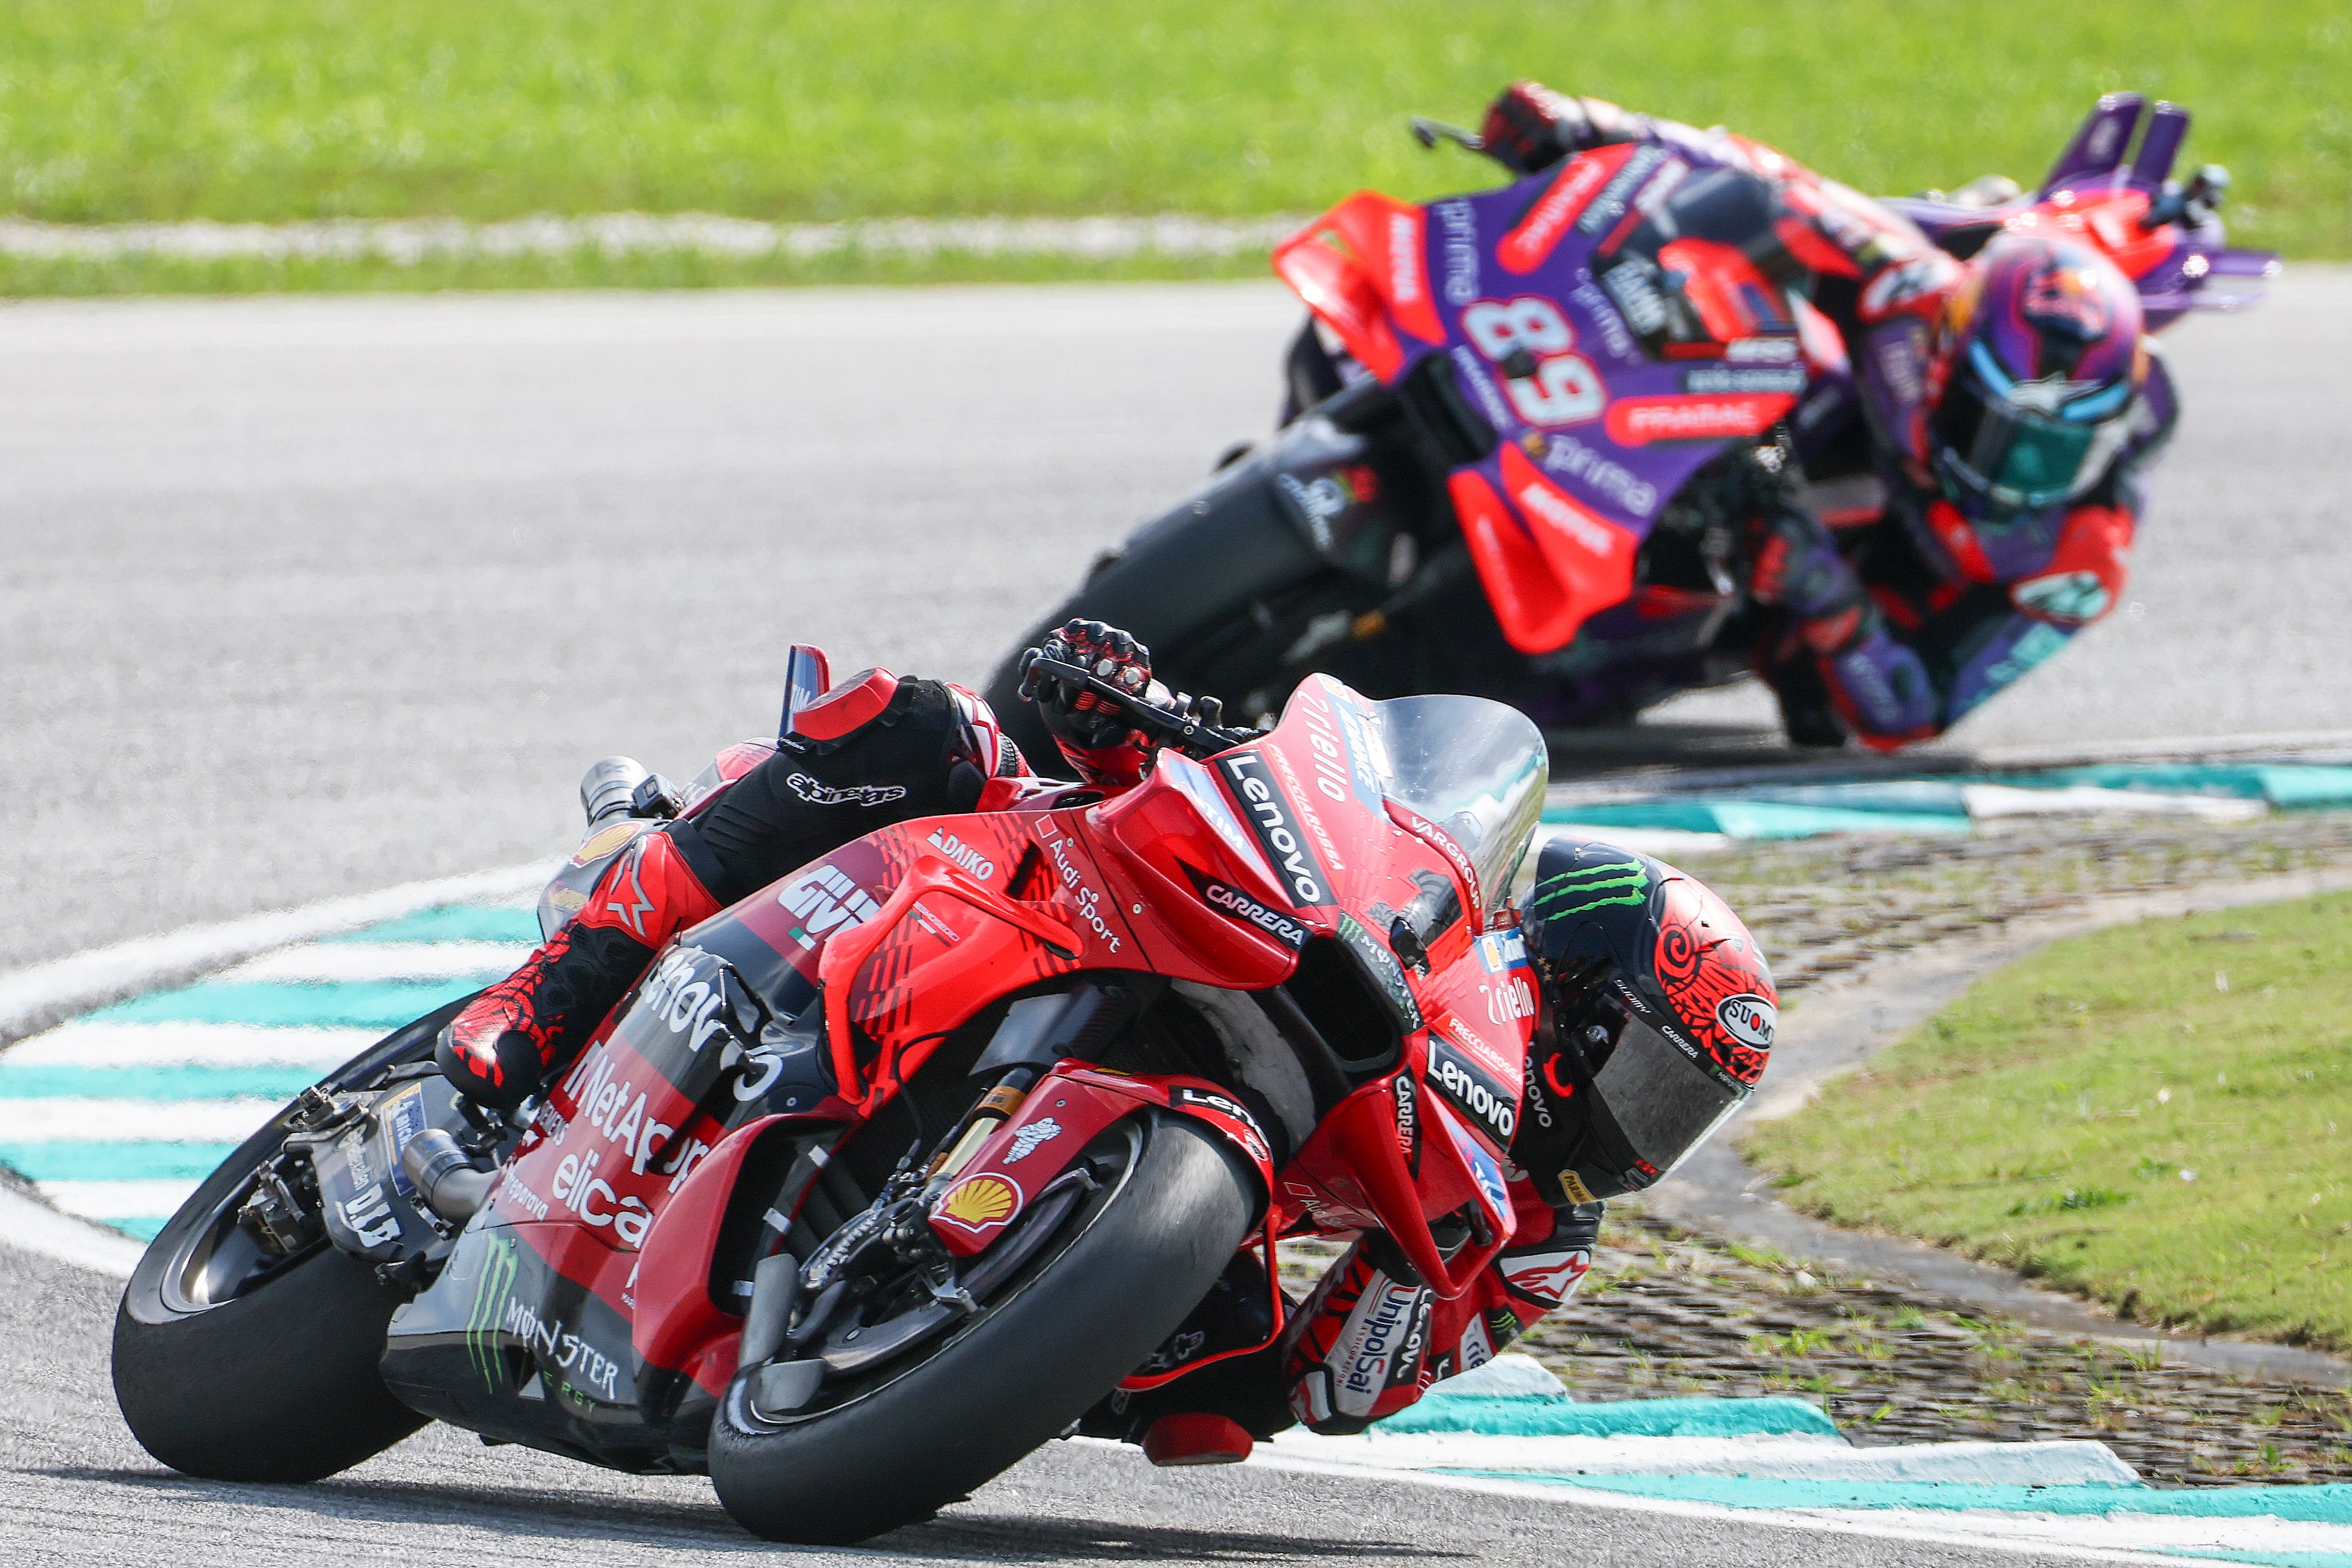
[{"x": 1172, "y": 1206}]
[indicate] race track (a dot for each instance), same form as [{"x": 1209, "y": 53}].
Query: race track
[{"x": 315, "y": 597}]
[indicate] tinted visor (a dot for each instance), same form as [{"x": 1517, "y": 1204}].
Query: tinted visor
[
  {"x": 2017, "y": 455},
  {"x": 1663, "y": 1103}
]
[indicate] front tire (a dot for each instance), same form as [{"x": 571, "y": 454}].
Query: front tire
[
  {"x": 234, "y": 1367},
  {"x": 1033, "y": 1363}
]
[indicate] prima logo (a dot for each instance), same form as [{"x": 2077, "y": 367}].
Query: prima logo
[{"x": 1276, "y": 822}]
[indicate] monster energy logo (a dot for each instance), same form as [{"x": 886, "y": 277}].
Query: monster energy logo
[
  {"x": 491, "y": 1288},
  {"x": 1590, "y": 888}
]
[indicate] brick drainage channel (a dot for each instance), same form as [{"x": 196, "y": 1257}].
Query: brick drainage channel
[{"x": 1667, "y": 1313}]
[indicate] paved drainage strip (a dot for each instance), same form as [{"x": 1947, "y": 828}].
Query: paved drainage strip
[{"x": 1684, "y": 823}]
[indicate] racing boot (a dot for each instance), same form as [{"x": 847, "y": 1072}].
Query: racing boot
[
  {"x": 1371, "y": 1339},
  {"x": 512, "y": 1037}
]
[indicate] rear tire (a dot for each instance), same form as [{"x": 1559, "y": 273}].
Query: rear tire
[
  {"x": 1036, "y": 1360},
  {"x": 279, "y": 1381}
]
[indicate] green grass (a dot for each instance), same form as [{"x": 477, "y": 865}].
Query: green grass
[
  {"x": 2158, "y": 1116},
  {"x": 115, "y": 109},
  {"x": 22, "y": 277}
]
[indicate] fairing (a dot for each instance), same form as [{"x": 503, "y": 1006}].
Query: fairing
[
  {"x": 1608, "y": 377},
  {"x": 588, "y": 1309}
]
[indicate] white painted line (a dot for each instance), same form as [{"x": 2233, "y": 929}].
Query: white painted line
[
  {"x": 1804, "y": 1456},
  {"x": 2177, "y": 1536},
  {"x": 1991, "y": 802},
  {"x": 1942, "y": 1530},
  {"x": 146, "y": 1199},
  {"x": 407, "y": 241},
  {"x": 188, "y": 1044},
  {"x": 33, "y": 998},
  {"x": 68, "y": 1119},
  {"x": 30, "y": 1227},
  {"x": 362, "y": 961}
]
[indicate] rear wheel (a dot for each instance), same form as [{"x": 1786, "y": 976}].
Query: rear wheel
[
  {"x": 1116, "y": 1274},
  {"x": 238, "y": 1364}
]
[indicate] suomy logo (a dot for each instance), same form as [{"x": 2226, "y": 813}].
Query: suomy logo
[
  {"x": 1747, "y": 1019},
  {"x": 1276, "y": 822}
]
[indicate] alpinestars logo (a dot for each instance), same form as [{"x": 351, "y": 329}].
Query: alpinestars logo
[
  {"x": 1240, "y": 906},
  {"x": 816, "y": 793},
  {"x": 1276, "y": 822}
]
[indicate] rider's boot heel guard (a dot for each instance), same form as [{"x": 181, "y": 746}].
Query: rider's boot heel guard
[{"x": 1194, "y": 1438}]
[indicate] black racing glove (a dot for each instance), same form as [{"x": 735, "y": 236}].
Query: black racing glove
[
  {"x": 1071, "y": 712},
  {"x": 1530, "y": 127}
]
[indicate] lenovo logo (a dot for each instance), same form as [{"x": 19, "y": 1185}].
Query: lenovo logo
[{"x": 1276, "y": 822}]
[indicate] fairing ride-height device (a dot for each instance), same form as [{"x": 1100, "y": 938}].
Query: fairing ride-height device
[{"x": 1501, "y": 501}]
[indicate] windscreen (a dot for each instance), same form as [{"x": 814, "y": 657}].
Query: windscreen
[{"x": 1475, "y": 768}]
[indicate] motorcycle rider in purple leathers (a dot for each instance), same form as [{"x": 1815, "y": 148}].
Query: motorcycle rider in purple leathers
[{"x": 2006, "y": 409}]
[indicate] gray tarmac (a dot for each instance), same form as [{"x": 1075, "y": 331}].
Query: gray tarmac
[{"x": 312, "y": 597}]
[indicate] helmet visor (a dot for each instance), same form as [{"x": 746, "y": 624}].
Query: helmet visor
[
  {"x": 1989, "y": 438},
  {"x": 1665, "y": 1104}
]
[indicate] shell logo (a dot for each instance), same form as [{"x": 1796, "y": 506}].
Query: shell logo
[{"x": 979, "y": 1202}]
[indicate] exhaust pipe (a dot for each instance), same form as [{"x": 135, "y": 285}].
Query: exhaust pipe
[{"x": 445, "y": 1176}]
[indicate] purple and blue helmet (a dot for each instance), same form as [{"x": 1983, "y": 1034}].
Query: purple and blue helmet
[{"x": 2041, "y": 361}]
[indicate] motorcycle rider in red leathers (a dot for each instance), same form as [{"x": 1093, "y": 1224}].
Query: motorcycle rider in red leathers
[
  {"x": 876, "y": 750},
  {"x": 2007, "y": 407}
]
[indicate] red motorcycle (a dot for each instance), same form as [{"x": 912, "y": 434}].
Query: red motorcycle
[{"x": 883, "y": 1176}]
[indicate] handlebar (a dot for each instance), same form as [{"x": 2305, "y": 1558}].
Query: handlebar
[{"x": 1192, "y": 736}]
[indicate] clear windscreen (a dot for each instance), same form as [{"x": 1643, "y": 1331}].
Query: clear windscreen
[{"x": 1477, "y": 769}]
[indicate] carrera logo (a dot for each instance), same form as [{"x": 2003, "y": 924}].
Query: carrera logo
[
  {"x": 1276, "y": 822},
  {"x": 1747, "y": 1019},
  {"x": 1471, "y": 1089},
  {"x": 1234, "y": 904}
]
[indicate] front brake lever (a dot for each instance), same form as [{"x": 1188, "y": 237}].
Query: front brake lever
[
  {"x": 1187, "y": 732},
  {"x": 1429, "y": 133}
]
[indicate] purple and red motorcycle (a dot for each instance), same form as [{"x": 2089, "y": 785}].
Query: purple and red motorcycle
[{"x": 1505, "y": 417}]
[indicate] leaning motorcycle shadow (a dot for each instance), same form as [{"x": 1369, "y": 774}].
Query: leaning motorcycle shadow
[{"x": 599, "y": 1519}]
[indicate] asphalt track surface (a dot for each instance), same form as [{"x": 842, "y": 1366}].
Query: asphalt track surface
[{"x": 312, "y": 597}]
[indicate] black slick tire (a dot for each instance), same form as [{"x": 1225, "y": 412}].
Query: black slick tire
[
  {"x": 279, "y": 1383},
  {"x": 1017, "y": 1378}
]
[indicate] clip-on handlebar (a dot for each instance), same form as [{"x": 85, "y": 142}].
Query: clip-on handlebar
[{"x": 1193, "y": 735}]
